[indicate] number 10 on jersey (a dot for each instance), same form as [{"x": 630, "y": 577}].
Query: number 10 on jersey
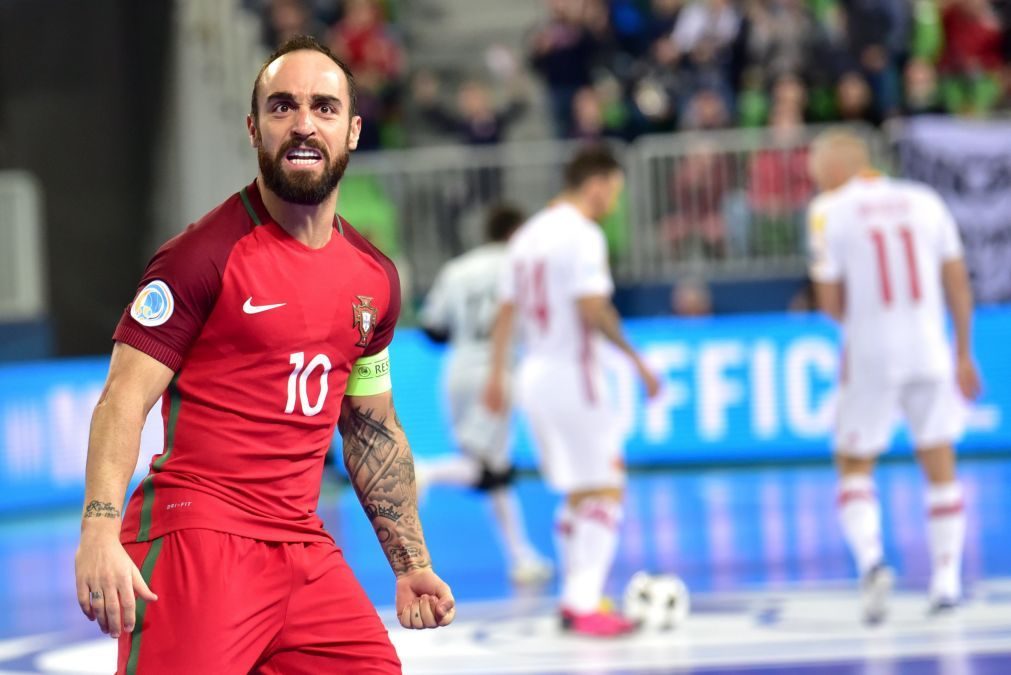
[{"x": 298, "y": 383}]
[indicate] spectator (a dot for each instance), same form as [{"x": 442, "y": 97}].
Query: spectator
[
  {"x": 364, "y": 41},
  {"x": 286, "y": 19},
  {"x": 972, "y": 58},
  {"x": 476, "y": 120},
  {"x": 703, "y": 39},
  {"x": 699, "y": 185},
  {"x": 853, "y": 99},
  {"x": 691, "y": 297},
  {"x": 922, "y": 96},
  {"x": 782, "y": 37},
  {"x": 779, "y": 186},
  {"x": 1003, "y": 11},
  {"x": 655, "y": 90},
  {"x": 563, "y": 52},
  {"x": 589, "y": 119},
  {"x": 663, "y": 16},
  {"x": 871, "y": 27},
  {"x": 706, "y": 111},
  {"x": 630, "y": 24},
  {"x": 704, "y": 28},
  {"x": 803, "y": 301},
  {"x": 637, "y": 25},
  {"x": 789, "y": 93}
]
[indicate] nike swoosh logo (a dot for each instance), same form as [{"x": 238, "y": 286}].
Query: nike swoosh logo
[{"x": 250, "y": 308}]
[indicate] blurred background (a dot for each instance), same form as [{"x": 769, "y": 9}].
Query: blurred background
[{"x": 121, "y": 122}]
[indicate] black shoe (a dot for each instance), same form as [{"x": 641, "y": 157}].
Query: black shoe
[{"x": 943, "y": 607}]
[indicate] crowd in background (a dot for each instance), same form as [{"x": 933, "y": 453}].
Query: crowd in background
[
  {"x": 617, "y": 69},
  {"x": 658, "y": 65},
  {"x": 363, "y": 33},
  {"x": 621, "y": 68}
]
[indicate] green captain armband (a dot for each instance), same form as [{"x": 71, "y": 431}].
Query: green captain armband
[{"x": 370, "y": 375}]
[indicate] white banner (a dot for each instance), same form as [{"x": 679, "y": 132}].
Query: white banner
[{"x": 969, "y": 164}]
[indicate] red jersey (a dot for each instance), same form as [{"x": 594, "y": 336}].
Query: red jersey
[{"x": 262, "y": 332}]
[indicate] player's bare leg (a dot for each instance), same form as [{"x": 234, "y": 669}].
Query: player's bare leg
[
  {"x": 458, "y": 470},
  {"x": 588, "y": 527},
  {"x": 526, "y": 565},
  {"x": 945, "y": 525},
  {"x": 860, "y": 517}
]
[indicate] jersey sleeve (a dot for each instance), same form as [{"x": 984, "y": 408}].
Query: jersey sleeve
[
  {"x": 435, "y": 313},
  {"x": 824, "y": 266},
  {"x": 591, "y": 274},
  {"x": 507, "y": 279},
  {"x": 383, "y": 335},
  {"x": 176, "y": 295}
]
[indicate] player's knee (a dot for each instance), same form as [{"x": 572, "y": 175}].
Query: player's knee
[
  {"x": 615, "y": 494},
  {"x": 937, "y": 461},
  {"x": 495, "y": 479},
  {"x": 850, "y": 464}
]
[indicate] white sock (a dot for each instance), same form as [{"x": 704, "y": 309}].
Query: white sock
[
  {"x": 564, "y": 527},
  {"x": 510, "y": 519},
  {"x": 946, "y": 533},
  {"x": 456, "y": 470},
  {"x": 593, "y": 543},
  {"x": 860, "y": 517}
]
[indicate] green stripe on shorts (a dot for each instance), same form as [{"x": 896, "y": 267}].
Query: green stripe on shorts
[{"x": 146, "y": 571}]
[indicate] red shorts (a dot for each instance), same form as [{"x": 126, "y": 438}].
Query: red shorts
[{"x": 228, "y": 604}]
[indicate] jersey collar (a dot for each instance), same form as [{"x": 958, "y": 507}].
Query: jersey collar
[{"x": 257, "y": 210}]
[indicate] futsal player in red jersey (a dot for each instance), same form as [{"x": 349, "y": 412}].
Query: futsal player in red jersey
[{"x": 260, "y": 328}]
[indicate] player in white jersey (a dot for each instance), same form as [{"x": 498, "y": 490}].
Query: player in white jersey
[
  {"x": 556, "y": 290},
  {"x": 460, "y": 309},
  {"x": 886, "y": 257}
]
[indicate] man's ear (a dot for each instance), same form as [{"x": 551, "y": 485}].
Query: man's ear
[
  {"x": 354, "y": 132},
  {"x": 254, "y": 136}
]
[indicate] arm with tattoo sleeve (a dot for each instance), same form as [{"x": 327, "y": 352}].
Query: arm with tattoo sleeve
[{"x": 381, "y": 467}]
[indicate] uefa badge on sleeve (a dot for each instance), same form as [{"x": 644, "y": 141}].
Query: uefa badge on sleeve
[
  {"x": 364, "y": 319},
  {"x": 153, "y": 305}
]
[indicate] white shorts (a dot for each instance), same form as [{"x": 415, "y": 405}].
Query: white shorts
[
  {"x": 478, "y": 432},
  {"x": 574, "y": 426},
  {"x": 933, "y": 410}
]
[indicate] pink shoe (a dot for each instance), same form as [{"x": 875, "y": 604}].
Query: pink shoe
[{"x": 597, "y": 624}]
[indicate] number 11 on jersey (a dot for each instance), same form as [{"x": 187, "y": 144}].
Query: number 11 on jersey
[{"x": 881, "y": 250}]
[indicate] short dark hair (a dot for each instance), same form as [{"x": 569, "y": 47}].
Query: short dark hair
[
  {"x": 590, "y": 161},
  {"x": 303, "y": 43},
  {"x": 502, "y": 221}
]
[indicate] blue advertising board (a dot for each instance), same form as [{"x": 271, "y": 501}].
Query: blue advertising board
[{"x": 736, "y": 389}]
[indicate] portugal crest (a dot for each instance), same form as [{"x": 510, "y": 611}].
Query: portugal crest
[{"x": 365, "y": 319}]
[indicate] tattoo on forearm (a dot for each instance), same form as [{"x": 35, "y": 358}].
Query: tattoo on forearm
[
  {"x": 97, "y": 509},
  {"x": 381, "y": 468},
  {"x": 374, "y": 511},
  {"x": 403, "y": 555}
]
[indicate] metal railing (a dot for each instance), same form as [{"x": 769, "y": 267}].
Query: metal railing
[{"x": 713, "y": 204}]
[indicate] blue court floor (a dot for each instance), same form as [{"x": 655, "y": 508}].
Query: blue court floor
[{"x": 772, "y": 585}]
